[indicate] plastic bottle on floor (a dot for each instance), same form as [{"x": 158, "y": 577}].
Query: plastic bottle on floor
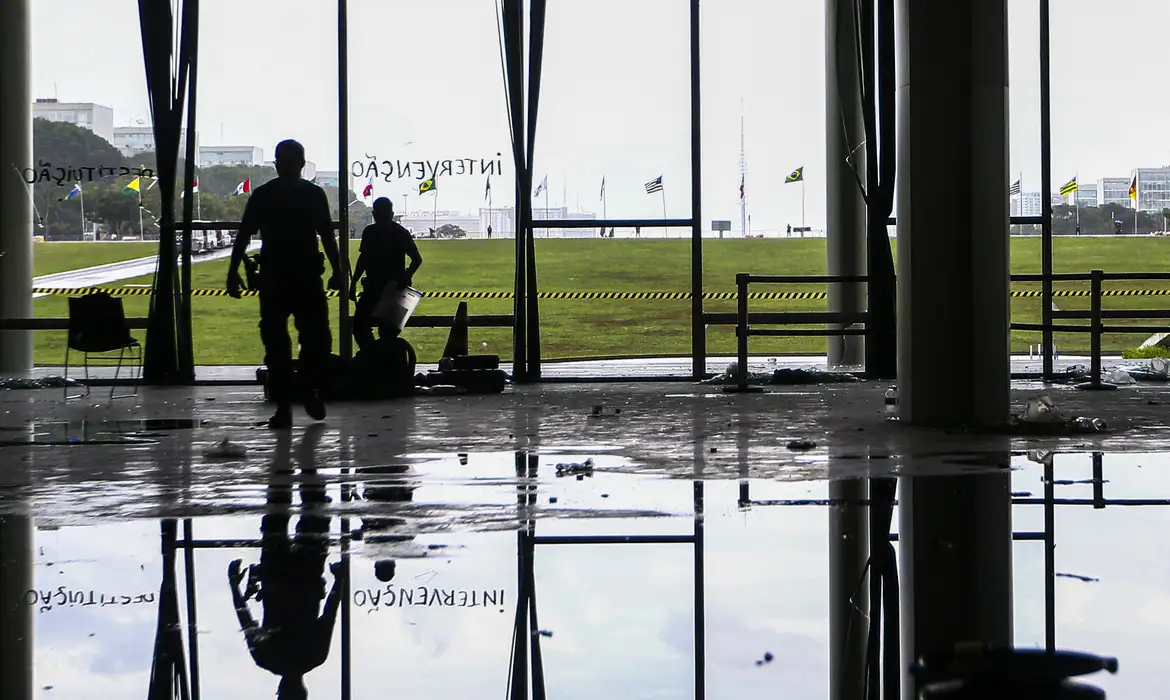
[{"x": 891, "y": 401}]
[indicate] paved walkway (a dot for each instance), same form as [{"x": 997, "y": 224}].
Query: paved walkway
[{"x": 111, "y": 272}]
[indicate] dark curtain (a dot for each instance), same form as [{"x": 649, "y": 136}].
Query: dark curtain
[{"x": 167, "y": 57}]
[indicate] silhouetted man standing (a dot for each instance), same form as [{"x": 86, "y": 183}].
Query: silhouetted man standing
[
  {"x": 385, "y": 247},
  {"x": 290, "y": 214}
]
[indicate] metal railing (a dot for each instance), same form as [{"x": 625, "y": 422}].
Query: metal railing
[
  {"x": 1096, "y": 315},
  {"x": 852, "y": 322}
]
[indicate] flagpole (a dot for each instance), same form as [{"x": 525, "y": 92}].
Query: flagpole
[
  {"x": 141, "y": 230},
  {"x": 802, "y": 204},
  {"x": 82, "y": 193},
  {"x": 663, "y": 192},
  {"x": 1077, "y": 203},
  {"x": 1136, "y": 197},
  {"x": 435, "y": 213},
  {"x": 489, "y": 203},
  {"x": 546, "y": 206},
  {"x": 604, "y": 211}
]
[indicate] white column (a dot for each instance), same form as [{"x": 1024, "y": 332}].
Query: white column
[
  {"x": 16, "y": 212},
  {"x": 845, "y": 225}
]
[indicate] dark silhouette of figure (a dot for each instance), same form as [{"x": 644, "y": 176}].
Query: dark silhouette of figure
[
  {"x": 290, "y": 214},
  {"x": 289, "y": 582},
  {"x": 382, "y": 257}
]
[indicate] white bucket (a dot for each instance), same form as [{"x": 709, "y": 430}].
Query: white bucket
[{"x": 396, "y": 305}]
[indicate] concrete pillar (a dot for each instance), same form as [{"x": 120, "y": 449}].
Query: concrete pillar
[
  {"x": 16, "y": 211},
  {"x": 16, "y": 614},
  {"x": 845, "y": 131},
  {"x": 955, "y": 564},
  {"x": 848, "y": 594},
  {"x": 952, "y": 211}
]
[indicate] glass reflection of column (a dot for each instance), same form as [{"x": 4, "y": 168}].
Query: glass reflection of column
[
  {"x": 16, "y": 614},
  {"x": 956, "y": 562}
]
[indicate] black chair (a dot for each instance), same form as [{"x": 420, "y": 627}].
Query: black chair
[{"x": 97, "y": 326}]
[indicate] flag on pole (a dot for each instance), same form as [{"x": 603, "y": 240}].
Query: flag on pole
[
  {"x": 487, "y": 190},
  {"x": 194, "y": 189},
  {"x": 795, "y": 176},
  {"x": 541, "y": 187},
  {"x": 603, "y": 187},
  {"x": 654, "y": 185},
  {"x": 428, "y": 185},
  {"x": 742, "y": 182},
  {"x": 1014, "y": 190},
  {"x": 134, "y": 187},
  {"x": 244, "y": 187},
  {"x": 1069, "y": 187},
  {"x": 73, "y": 192},
  {"x": 1133, "y": 188},
  {"x": 368, "y": 189}
]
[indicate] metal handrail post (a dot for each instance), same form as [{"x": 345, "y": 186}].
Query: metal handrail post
[
  {"x": 741, "y": 328},
  {"x": 1096, "y": 277}
]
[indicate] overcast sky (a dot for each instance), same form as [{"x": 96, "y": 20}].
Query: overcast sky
[{"x": 426, "y": 84}]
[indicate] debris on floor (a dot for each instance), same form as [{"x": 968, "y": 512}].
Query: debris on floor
[
  {"x": 576, "y": 468},
  {"x": 802, "y": 445},
  {"x": 225, "y": 449},
  {"x": 1041, "y": 416}
]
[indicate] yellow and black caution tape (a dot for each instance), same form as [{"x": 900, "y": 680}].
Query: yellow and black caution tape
[{"x": 600, "y": 296}]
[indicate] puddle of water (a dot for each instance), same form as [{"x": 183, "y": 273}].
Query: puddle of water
[
  {"x": 93, "y": 432},
  {"x": 428, "y": 595}
]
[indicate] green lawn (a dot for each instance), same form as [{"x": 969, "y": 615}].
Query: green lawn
[
  {"x": 51, "y": 258},
  {"x": 226, "y": 328}
]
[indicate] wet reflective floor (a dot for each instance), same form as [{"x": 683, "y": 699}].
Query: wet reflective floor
[{"x": 373, "y": 561}]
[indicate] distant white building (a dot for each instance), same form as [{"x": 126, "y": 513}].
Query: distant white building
[
  {"x": 1086, "y": 196},
  {"x": 1153, "y": 188},
  {"x": 1026, "y": 204},
  {"x": 96, "y": 118},
  {"x": 230, "y": 155},
  {"x": 326, "y": 178},
  {"x": 134, "y": 140},
  {"x": 1114, "y": 190}
]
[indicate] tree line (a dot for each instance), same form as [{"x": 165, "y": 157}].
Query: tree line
[{"x": 113, "y": 213}]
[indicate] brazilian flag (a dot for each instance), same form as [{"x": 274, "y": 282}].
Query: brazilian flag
[
  {"x": 1068, "y": 188},
  {"x": 795, "y": 176},
  {"x": 427, "y": 185}
]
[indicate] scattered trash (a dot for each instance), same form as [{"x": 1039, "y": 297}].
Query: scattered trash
[
  {"x": 384, "y": 570},
  {"x": 463, "y": 459},
  {"x": 442, "y": 390},
  {"x": 605, "y": 495},
  {"x": 768, "y": 658},
  {"x": 784, "y": 376},
  {"x": 36, "y": 383},
  {"x": 600, "y": 410},
  {"x": 1118, "y": 377},
  {"x": 578, "y": 469},
  {"x": 891, "y": 403},
  {"x": 552, "y": 499},
  {"x": 225, "y": 449},
  {"x": 801, "y": 445},
  {"x": 1041, "y": 416},
  {"x": 545, "y": 633}
]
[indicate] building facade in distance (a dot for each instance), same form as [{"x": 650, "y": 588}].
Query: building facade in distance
[
  {"x": 88, "y": 115},
  {"x": 1114, "y": 190},
  {"x": 135, "y": 140},
  {"x": 1153, "y": 188},
  {"x": 230, "y": 155}
]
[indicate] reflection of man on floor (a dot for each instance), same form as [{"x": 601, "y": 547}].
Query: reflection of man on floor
[{"x": 289, "y": 582}]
